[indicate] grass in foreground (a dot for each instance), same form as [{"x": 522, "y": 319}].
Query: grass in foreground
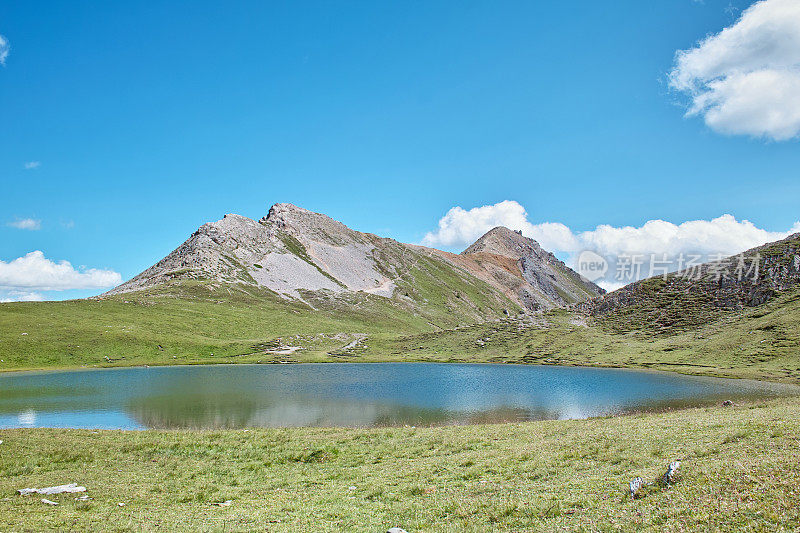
[{"x": 741, "y": 470}]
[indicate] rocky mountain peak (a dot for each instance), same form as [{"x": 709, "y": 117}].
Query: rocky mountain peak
[
  {"x": 280, "y": 212},
  {"x": 229, "y": 222},
  {"x": 300, "y": 254},
  {"x": 308, "y": 225},
  {"x": 505, "y": 242},
  {"x": 548, "y": 282}
]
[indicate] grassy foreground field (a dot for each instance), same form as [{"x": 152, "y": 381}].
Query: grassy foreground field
[
  {"x": 741, "y": 471},
  {"x": 741, "y": 465}
]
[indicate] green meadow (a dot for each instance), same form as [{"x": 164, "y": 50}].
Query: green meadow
[
  {"x": 740, "y": 472},
  {"x": 205, "y": 326},
  {"x": 741, "y": 464}
]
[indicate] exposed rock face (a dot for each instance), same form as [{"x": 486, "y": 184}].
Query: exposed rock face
[
  {"x": 547, "y": 281},
  {"x": 690, "y": 297},
  {"x": 346, "y": 255},
  {"x": 209, "y": 254},
  {"x": 290, "y": 249},
  {"x": 293, "y": 250}
]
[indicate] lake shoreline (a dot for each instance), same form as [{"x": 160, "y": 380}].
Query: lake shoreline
[{"x": 693, "y": 370}]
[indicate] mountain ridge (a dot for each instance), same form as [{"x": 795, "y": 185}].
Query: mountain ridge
[
  {"x": 300, "y": 254},
  {"x": 539, "y": 268}
]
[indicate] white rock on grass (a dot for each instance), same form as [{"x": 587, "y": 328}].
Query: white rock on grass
[
  {"x": 672, "y": 472},
  {"x": 397, "y": 530},
  {"x": 634, "y": 486},
  {"x": 48, "y": 502},
  {"x": 226, "y": 503},
  {"x": 71, "y": 487}
]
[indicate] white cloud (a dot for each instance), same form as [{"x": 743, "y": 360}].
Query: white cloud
[
  {"x": 30, "y": 224},
  {"x": 459, "y": 227},
  {"x": 20, "y": 296},
  {"x": 745, "y": 80},
  {"x": 723, "y": 235},
  {"x": 4, "y": 49},
  {"x": 30, "y": 165},
  {"x": 610, "y": 285},
  {"x": 34, "y": 272}
]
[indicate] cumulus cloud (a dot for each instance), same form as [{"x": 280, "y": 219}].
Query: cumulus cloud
[
  {"x": 721, "y": 236},
  {"x": 34, "y": 272},
  {"x": 30, "y": 224},
  {"x": 459, "y": 227},
  {"x": 4, "y": 49},
  {"x": 20, "y": 296},
  {"x": 745, "y": 80},
  {"x": 30, "y": 165}
]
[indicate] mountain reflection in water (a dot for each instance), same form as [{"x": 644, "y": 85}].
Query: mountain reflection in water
[{"x": 348, "y": 394}]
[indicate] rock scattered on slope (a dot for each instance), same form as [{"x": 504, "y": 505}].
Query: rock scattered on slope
[{"x": 672, "y": 472}]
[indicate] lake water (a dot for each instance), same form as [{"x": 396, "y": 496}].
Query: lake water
[{"x": 348, "y": 394}]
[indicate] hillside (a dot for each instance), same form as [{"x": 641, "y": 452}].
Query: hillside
[
  {"x": 756, "y": 342},
  {"x": 300, "y": 257},
  {"x": 692, "y": 297},
  {"x": 237, "y": 288}
]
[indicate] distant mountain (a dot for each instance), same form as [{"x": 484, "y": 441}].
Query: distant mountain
[
  {"x": 301, "y": 255},
  {"x": 545, "y": 281}
]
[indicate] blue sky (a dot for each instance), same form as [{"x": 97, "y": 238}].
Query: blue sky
[{"x": 140, "y": 122}]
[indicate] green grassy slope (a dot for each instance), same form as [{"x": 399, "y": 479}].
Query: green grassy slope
[
  {"x": 188, "y": 321},
  {"x": 741, "y": 470},
  {"x": 761, "y": 342},
  {"x": 156, "y": 327},
  {"x": 159, "y": 328},
  {"x": 438, "y": 313}
]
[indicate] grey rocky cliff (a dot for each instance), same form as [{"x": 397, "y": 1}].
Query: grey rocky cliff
[
  {"x": 289, "y": 250},
  {"x": 548, "y": 281},
  {"x": 292, "y": 251}
]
